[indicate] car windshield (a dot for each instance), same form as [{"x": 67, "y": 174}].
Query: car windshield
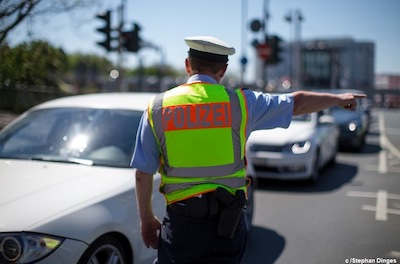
[{"x": 87, "y": 136}]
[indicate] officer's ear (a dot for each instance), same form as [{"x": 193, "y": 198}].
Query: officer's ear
[
  {"x": 187, "y": 66},
  {"x": 223, "y": 70}
]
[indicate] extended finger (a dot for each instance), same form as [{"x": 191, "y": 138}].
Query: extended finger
[{"x": 359, "y": 95}]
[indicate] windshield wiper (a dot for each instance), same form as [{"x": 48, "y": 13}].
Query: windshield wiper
[{"x": 64, "y": 160}]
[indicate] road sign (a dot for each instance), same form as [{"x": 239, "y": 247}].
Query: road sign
[{"x": 263, "y": 51}]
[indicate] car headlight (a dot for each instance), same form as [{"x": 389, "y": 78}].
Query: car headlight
[
  {"x": 298, "y": 147},
  {"x": 26, "y": 247},
  {"x": 352, "y": 126}
]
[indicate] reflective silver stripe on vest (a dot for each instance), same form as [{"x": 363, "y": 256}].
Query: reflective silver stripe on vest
[
  {"x": 197, "y": 172},
  {"x": 231, "y": 182}
]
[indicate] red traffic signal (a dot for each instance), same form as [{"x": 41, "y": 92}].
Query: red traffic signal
[
  {"x": 131, "y": 40},
  {"x": 264, "y": 51}
]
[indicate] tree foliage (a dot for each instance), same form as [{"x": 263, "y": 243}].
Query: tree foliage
[
  {"x": 38, "y": 63},
  {"x": 34, "y": 63},
  {"x": 88, "y": 62},
  {"x": 14, "y": 12},
  {"x": 155, "y": 70}
]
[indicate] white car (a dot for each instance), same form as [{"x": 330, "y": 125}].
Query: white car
[
  {"x": 298, "y": 152},
  {"x": 67, "y": 192}
]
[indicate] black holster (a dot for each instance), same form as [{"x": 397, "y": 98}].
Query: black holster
[{"x": 231, "y": 209}]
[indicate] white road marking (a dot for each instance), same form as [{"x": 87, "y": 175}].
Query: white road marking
[
  {"x": 382, "y": 168},
  {"x": 394, "y": 254},
  {"x": 361, "y": 194},
  {"x": 381, "y": 209},
  {"x": 370, "y": 167},
  {"x": 383, "y": 140},
  {"x": 373, "y": 209},
  {"x": 381, "y": 206}
]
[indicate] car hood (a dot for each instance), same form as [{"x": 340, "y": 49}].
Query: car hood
[
  {"x": 33, "y": 193},
  {"x": 297, "y": 131}
]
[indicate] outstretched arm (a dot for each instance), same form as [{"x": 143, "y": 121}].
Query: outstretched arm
[
  {"x": 149, "y": 224},
  {"x": 307, "y": 102}
]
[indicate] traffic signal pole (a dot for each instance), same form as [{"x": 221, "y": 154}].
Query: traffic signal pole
[
  {"x": 266, "y": 16},
  {"x": 118, "y": 85}
]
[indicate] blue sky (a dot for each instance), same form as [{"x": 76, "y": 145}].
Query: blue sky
[{"x": 167, "y": 23}]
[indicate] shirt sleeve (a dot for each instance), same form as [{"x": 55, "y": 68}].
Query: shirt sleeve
[
  {"x": 146, "y": 155},
  {"x": 267, "y": 111}
]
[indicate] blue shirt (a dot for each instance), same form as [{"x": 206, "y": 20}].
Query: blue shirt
[{"x": 265, "y": 111}]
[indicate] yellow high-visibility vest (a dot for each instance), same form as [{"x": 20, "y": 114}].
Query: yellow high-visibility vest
[{"x": 200, "y": 130}]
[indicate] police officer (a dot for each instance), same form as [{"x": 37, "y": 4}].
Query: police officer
[{"x": 195, "y": 135}]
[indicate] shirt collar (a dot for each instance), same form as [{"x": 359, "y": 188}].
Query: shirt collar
[{"x": 201, "y": 78}]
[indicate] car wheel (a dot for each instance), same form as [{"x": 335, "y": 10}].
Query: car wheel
[
  {"x": 249, "y": 206},
  {"x": 332, "y": 160},
  {"x": 106, "y": 249},
  {"x": 315, "y": 170},
  {"x": 360, "y": 143}
]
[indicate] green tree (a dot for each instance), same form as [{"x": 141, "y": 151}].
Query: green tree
[
  {"x": 88, "y": 71},
  {"x": 34, "y": 63},
  {"x": 155, "y": 70}
]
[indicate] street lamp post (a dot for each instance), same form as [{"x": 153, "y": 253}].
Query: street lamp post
[
  {"x": 296, "y": 18},
  {"x": 243, "y": 60},
  {"x": 266, "y": 17}
]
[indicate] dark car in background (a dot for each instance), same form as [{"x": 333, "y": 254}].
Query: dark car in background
[
  {"x": 353, "y": 125},
  {"x": 353, "y": 128}
]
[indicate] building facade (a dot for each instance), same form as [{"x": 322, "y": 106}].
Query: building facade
[{"x": 323, "y": 64}]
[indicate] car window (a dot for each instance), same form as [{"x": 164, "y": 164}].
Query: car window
[{"x": 104, "y": 137}]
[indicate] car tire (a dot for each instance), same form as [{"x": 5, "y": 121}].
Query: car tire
[
  {"x": 106, "y": 249},
  {"x": 332, "y": 160},
  {"x": 360, "y": 143},
  {"x": 250, "y": 205},
  {"x": 315, "y": 170}
]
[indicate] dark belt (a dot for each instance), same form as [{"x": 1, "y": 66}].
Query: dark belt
[
  {"x": 208, "y": 204},
  {"x": 221, "y": 203},
  {"x": 196, "y": 207}
]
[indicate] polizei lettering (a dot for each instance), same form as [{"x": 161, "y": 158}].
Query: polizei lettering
[{"x": 196, "y": 116}]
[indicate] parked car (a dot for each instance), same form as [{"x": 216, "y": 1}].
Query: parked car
[
  {"x": 353, "y": 125},
  {"x": 67, "y": 192},
  {"x": 298, "y": 152}
]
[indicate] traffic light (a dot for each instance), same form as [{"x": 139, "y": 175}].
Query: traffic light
[
  {"x": 131, "y": 40},
  {"x": 274, "y": 43},
  {"x": 106, "y": 30}
]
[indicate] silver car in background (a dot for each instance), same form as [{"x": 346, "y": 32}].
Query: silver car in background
[{"x": 298, "y": 152}]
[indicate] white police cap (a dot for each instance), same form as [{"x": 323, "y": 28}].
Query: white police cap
[{"x": 210, "y": 48}]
